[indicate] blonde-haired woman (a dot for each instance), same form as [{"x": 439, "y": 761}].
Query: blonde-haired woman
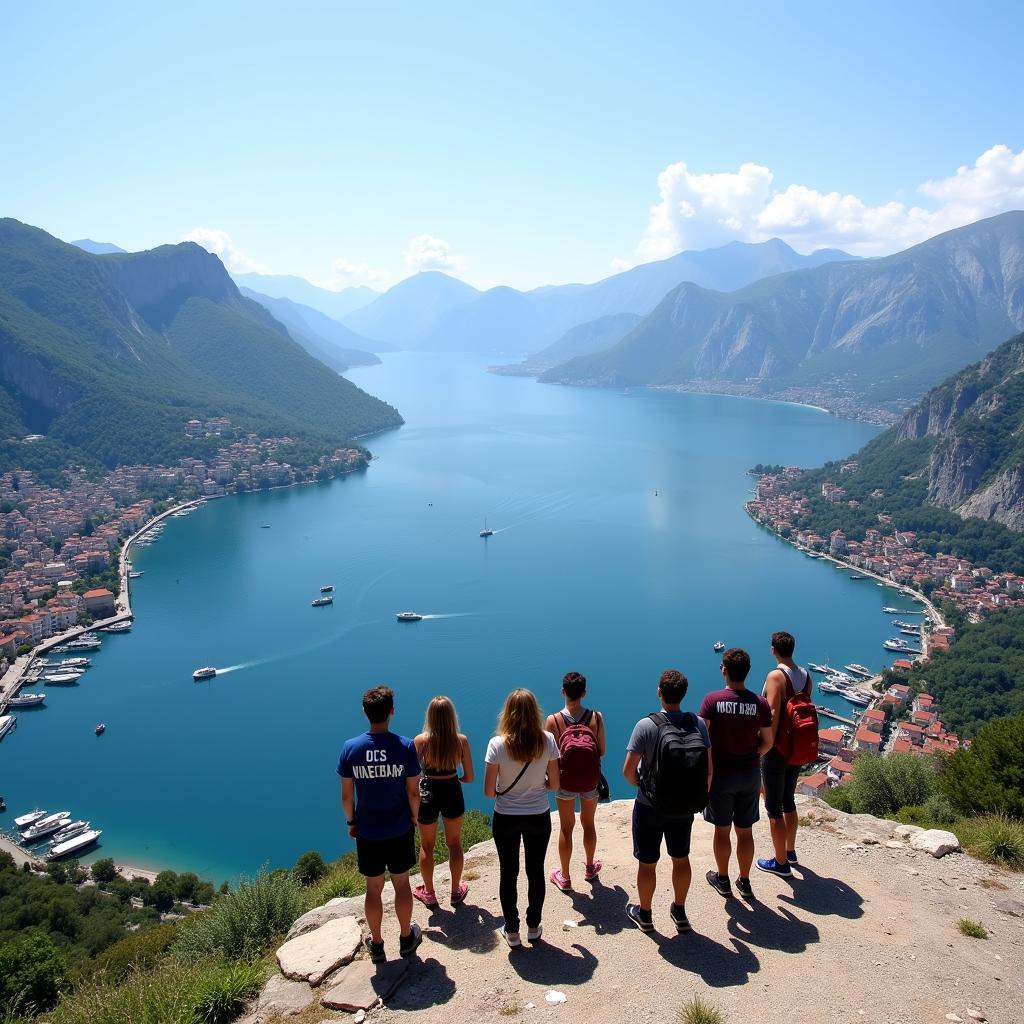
[
  {"x": 442, "y": 751},
  {"x": 522, "y": 767}
]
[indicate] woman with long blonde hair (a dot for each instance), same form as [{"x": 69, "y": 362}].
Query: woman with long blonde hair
[
  {"x": 521, "y": 767},
  {"x": 443, "y": 752}
]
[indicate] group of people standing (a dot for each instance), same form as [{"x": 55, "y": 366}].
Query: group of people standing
[{"x": 718, "y": 762}]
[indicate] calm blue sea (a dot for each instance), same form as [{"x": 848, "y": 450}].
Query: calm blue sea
[{"x": 621, "y": 547}]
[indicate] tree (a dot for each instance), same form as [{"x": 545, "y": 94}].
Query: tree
[
  {"x": 104, "y": 870},
  {"x": 988, "y": 777},
  {"x": 188, "y": 882},
  {"x": 32, "y": 973},
  {"x": 309, "y": 868},
  {"x": 882, "y": 785},
  {"x": 163, "y": 892}
]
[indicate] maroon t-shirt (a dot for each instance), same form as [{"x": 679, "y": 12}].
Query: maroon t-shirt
[{"x": 735, "y": 719}]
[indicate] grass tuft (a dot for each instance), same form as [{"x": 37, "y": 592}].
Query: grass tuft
[
  {"x": 972, "y": 929},
  {"x": 699, "y": 1011},
  {"x": 994, "y": 838}
]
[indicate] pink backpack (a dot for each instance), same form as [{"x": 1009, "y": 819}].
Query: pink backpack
[{"x": 579, "y": 762}]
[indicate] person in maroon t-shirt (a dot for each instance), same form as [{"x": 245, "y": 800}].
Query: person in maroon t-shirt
[{"x": 740, "y": 725}]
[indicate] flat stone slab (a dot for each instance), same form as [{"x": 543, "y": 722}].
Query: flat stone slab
[
  {"x": 311, "y": 957},
  {"x": 361, "y": 984},
  {"x": 279, "y": 998},
  {"x": 340, "y": 906}
]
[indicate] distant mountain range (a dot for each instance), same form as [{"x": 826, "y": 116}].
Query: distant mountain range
[
  {"x": 434, "y": 312},
  {"x": 97, "y": 248},
  {"x": 323, "y": 338},
  {"x": 337, "y": 305},
  {"x": 881, "y": 330},
  {"x": 109, "y": 355}
]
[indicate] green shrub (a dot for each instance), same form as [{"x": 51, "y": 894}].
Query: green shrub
[
  {"x": 995, "y": 838},
  {"x": 103, "y": 870},
  {"x": 137, "y": 951},
  {"x": 972, "y": 929},
  {"x": 882, "y": 785},
  {"x": 699, "y": 1011},
  {"x": 340, "y": 880},
  {"x": 242, "y": 923},
  {"x": 988, "y": 776},
  {"x": 914, "y": 815},
  {"x": 940, "y": 811},
  {"x": 32, "y": 973},
  {"x": 476, "y": 828},
  {"x": 209, "y": 991},
  {"x": 309, "y": 868},
  {"x": 840, "y": 798}
]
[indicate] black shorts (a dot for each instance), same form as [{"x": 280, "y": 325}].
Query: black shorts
[
  {"x": 375, "y": 856},
  {"x": 780, "y": 779},
  {"x": 734, "y": 798},
  {"x": 440, "y": 797},
  {"x": 648, "y": 829}
]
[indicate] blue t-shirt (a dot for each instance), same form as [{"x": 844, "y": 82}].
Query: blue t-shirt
[{"x": 380, "y": 763}]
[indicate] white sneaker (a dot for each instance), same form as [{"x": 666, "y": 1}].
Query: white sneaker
[
  {"x": 512, "y": 938},
  {"x": 534, "y": 934}
]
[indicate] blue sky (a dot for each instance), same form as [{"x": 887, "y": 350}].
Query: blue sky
[{"x": 523, "y": 144}]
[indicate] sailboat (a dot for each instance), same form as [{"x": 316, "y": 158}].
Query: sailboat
[{"x": 485, "y": 532}]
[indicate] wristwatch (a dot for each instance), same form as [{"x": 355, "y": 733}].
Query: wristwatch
[{"x": 350, "y": 823}]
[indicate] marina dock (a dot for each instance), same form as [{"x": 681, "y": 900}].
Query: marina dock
[{"x": 827, "y": 712}]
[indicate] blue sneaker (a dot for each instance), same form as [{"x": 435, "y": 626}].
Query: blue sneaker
[
  {"x": 773, "y": 867},
  {"x": 791, "y": 857}
]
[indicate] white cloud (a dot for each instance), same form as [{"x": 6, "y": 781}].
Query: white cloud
[
  {"x": 345, "y": 274},
  {"x": 697, "y": 211},
  {"x": 424, "y": 252},
  {"x": 219, "y": 242},
  {"x": 618, "y": 265}
]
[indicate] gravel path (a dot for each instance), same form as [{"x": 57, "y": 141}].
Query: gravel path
[{"x": 864, "y": 933}]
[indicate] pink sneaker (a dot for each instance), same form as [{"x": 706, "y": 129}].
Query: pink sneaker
[
  {"x": 559, "y": 881},
  {"x": 591, "y": 871},
  {"x": 425, "y": 896}
]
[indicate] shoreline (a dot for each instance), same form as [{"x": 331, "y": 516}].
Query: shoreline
[{"x": 682, "y": 389}]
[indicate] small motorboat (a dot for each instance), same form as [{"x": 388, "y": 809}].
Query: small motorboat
[
  {"x": 320, "y": 602},
  {"x": 327, "y": 588},
  {"x": 204, "y": 673},
  {"x": 718, "y": 646},
  {"x": 408, "y": 616},
  {"x": 100, "y": 729},
  {"x": 3, "y": 804}
]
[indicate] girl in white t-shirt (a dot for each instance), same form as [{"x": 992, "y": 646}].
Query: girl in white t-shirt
[{"x": 521, "y": 768}]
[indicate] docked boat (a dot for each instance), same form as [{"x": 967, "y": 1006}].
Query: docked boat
[
  {"x": 321, "y": 601},
  {"x": 327, "y": 588},
  {"x": 816, "y": 667},
  {"x": 118, "y": 627},
  {"x": 826, "y": 686},
  {"x": 80, "y": 842},
  {"x": 893, "y": 611},
  {"x": 69, "y": 831},
  {"x": 84, "y": 645},
  {"x": 101, "y": 728},
  {"x": 895, "y": 643},
  {"x": 911, "y": 631},
  {"x": 204, "y": 673},
  {"x": 62, "y": 678},
  {"x": 835, "y": 676},
  {"x": 29, "y": 819},
  {"x": 136, "y": 574},
  {"x": 857, "y": 576},
  {"x": 70, "y": 663},
  {"x": 859, "y": 670},
  {"x": 717, "y": 646},
  {"x": 858, "y": 697},
  {"x": 7, "y": 724},
  {"x": 46, "y": 826},
  {"x": 900, "y": 624},
  {"x": 27, "y": 700},
  {"x": 408, "y": 616}
]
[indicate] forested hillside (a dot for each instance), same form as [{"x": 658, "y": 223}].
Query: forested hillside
[{"x": 108, "y": 356}]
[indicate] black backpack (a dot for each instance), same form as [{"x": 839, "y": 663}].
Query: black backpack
[{"x": 676, "y": 781}]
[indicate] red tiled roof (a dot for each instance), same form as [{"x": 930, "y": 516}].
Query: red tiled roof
[{"x": 99, "y": 592}]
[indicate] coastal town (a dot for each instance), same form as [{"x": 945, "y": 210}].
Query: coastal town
[{"x": 59, "y": 545}]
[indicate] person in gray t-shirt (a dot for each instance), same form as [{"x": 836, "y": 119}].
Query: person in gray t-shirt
[{"x": 649, "y": 826}]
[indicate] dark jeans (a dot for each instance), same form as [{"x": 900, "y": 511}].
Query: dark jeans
[
  {"x": 780, "y": 779},
  {"x": 535, "y": 832}
]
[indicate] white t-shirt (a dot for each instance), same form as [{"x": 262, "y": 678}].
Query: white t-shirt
[{"x": 530, "y": 793}]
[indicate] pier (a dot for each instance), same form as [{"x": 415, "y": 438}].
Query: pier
[{"x": 827, "y": 712}]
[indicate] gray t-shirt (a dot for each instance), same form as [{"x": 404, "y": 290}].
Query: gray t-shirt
[
  {"x": 530, "y": 793},
  {"x": 645, "y": 736}
]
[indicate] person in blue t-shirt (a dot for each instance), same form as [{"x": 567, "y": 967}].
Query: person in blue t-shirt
[{"x": 380, "y": 777}]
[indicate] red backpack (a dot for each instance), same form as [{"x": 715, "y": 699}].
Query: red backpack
[
  {"x": 579, "y": 761},
  {"x": 797, "y": 736}
]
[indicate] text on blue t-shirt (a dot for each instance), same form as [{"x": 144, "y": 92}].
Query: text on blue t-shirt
[{"x": 379, "y": 763}]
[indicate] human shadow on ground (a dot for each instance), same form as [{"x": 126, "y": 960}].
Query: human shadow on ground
[
  {"x": 818, "y": 894},
  {"x": 602, "y": 908},
  {"x": 719, "y": 966},
  {"x": 758, "y": 924},
  {"x": 466, "y": 927},
  {"x": 544, "y": 964},
  {"x": 426, "y": 984}
]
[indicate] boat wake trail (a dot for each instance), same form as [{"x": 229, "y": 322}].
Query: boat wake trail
[
  {"x": 448, "y": 615},
  {"x": 241, "y": 665}
]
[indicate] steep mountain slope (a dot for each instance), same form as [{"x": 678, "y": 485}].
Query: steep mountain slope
[
  {"x": 336, "y": 305},
  {"x": 506, "y": 320},
  {"x": 593, "y": 336},
  {"x": 411, "y": 308},
  {"x": 884, "y": 329},
  {"x": 96, "y": 248},
  {"x": 109, "y": 356},
  {"x": 323, "y": 338}
]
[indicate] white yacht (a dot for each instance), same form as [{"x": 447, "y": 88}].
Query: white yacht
[
  {"x": 7, "y": 723},
  {"x": 27, "y": 700},
  {"x": 29, "y": 819},
  {"x": 321, "y": 601},
  {"x": 69, "y": 663},
  {"x": 62, "y": 678},
  {"x": 327, "y": 588},
  {"x": 859, "y": 670},
  {"x": 855, "y": 696},
  {"x": 69, "y": 831},
  {"x": 80, "y": 842},
  {"x": 118, "y": 627},
  {"x": 816, "y": 667},
  {"x": 408, "y": 616},
  {"x": 136, "y": 574},
  {"x": 204, "y": 673},
  {"x": 46, "y": 826},
  {"x": 718, "y": 645},
  {"x": 829, "y": 687}
]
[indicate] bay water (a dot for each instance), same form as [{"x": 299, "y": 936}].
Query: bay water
[{"x": 621, "y": 547}]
